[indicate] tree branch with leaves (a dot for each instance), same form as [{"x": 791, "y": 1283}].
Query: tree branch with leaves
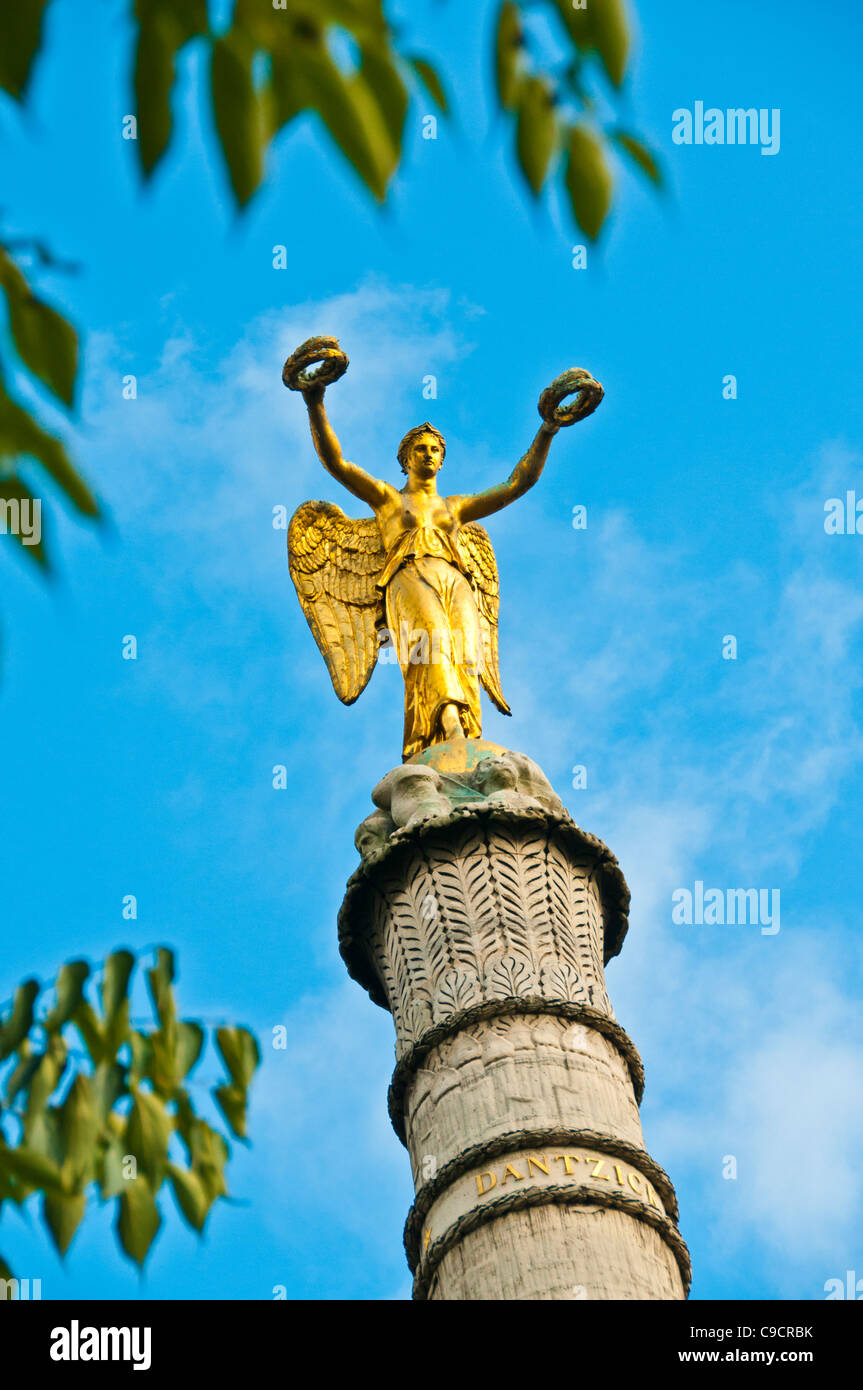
[{"x": 92, "y": 1105}]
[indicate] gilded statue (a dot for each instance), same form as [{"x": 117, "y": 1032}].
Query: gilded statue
[{"x": 420, "y": 573}]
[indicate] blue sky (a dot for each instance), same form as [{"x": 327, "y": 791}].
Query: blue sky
[{"x": 705, "y": 518}]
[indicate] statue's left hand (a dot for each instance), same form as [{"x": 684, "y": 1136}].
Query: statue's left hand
[{"x": 576, "y": 381}]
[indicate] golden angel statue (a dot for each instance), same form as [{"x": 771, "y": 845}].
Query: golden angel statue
[{"x": 420, "y": 573}]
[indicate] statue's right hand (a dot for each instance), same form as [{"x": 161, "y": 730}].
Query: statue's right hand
[{"x": 316, "y": 363}]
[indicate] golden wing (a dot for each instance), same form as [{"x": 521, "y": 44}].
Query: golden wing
[
  {"x": 477, "y": 554},
  {"x": 335, "y": 562}
]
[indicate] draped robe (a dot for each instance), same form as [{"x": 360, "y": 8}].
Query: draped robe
[{"x": 433, "y": 621}]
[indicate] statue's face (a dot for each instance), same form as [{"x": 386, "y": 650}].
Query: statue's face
[{"x": 426, "y": 456}]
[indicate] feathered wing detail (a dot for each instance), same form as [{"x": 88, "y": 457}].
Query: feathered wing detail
[
  {"x": 335, "y": 563},
  {"x": 477, "y": 554}
]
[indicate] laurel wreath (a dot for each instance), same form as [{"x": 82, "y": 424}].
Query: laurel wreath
[
  {"x": 576, "y": 381},
  {"x": 316, "y": 362}
]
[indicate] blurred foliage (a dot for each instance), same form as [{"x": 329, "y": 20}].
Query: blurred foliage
[
  {"x": 275, "y": 63},
  {"x": 557, "y": 111},
  {"x": 112, "y": 1117},
  {"x": 43, "y": 346},
  {"x": 345, "y": 63},
  {"x": 38, "y": 339}
]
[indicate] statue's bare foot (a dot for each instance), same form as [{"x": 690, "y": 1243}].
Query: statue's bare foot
[{"x": 450, "y": 722}]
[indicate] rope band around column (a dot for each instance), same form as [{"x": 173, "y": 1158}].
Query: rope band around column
[
  {"x": 496, "y": 1008},
  {"x": 530, "y": 1139},
  {"x": 580, "y": 1195}
]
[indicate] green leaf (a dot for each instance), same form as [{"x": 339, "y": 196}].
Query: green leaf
[
  {"x": 42, "y": 1135},
  {"x": 174, "y": 1050},
  {"x": 388, "y": 90},
  {"x": 383, "y": 149},
  {"x": 62, "y": 1213},
  {"x": 578, "y": 21},
  {"x": 610, "y": 34},
  {"x": 508, "y": 42},
  {"x": 207, "y": 1150},
  {"x": 46, "y": 342},
  {"x": 238, "y": 114},
  {"x": 91, "y": 1030},
  {"x": 588, "y": 180},
  {"x": 108, "y": 1083},
  {"x": 232, "y": 1102},
  {"x": 46, "y": 1078},
  {"x": 148, "y": 1134},
  {"x": 240, "y": 1051},
  {"x": 210, "y": 1161},
  {"x": 110, "y": 1168},
  {"x": 165, "y": 26},
  {"x": 20, "y": 42},
  {"x": 138, "y": 1220},
  {"x": 190, "y": 16},
  {"x": 8, "y": 1190},
  {"x": 159, "y": 980},
  {"x": 68, "y": 994},
  {"x": 163, "y": 1043},
  {"x": 288, "y": 93},
  {"x": 21, "y": 435},
  {"x": 266, "y": 26},
  {"x": 142, "y": 1057},
  {"x": 639, "y": 152},
  {"x": 15, "y": 495},
  {"x": 32, "y": 1168},
  {"x": 430, "y": 79},
  {"x": 241, "y": 1055},
  {"x": 163, "y": 1067},
  {"x": 19, "y": 1022},
  {"x": 79, "y": 1129},
  {"x": 535, "y": 132},
  {"x": 115, "y": 1001},
  {"x": 600, "y": 27},
  {"x": 308, "y": 78},
  {"x": 22, "y": 1073},
  {"x": 321, "y": 86},
  {"x": 192, "y": 1198},
  {"x": 154, "y": 80},
  {"x": 190, "y": 1040},
  {"x": 115, "y": 981}
]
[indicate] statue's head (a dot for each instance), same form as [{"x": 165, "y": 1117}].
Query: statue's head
[{"x": 422, "y": 450}]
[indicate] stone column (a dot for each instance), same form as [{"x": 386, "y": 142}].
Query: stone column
[{"x": 482, "y": 917}]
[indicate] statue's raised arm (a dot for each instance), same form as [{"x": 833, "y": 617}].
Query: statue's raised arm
[
  {"x": 555, "y": 415},
  {"x": 335, "y": 560},
  {"x": 314, "y": 365}
]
